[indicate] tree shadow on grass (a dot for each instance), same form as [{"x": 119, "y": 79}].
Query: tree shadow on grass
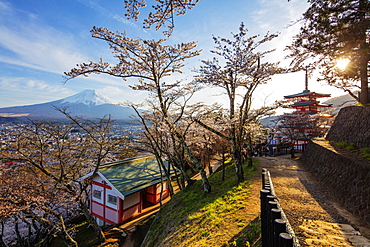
[
  {"x": 191, "y": 216},
  {"x": 249, "y": 236}
]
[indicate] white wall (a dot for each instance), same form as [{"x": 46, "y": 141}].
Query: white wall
[{"x": 131, "y": 200}]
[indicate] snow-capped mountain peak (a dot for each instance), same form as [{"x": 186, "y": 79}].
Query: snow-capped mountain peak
[
  {"x": 88, "y": 104},
  {"x": 88, "y": 97}
]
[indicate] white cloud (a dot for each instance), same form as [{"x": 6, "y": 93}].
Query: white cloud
[
  {"x": 20, "y": 91},
  {"x": 35, "y": 45},
  {"x": 97, "y": 7},
  {"x": 28, "y": 42},
  {"x": 25, "y": 84},
  {"x": 277, "y": 13},
  {"x": 123, "y": 94},
  {"x": 276, "y": 16},
  {"x": 38, "y": 46},
  {"x": 4, "y": 6},
  {"x": 45, "y": 50}
]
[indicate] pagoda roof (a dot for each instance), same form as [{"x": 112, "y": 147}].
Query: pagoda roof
[
  {"x": 309, "y": 102},
  {"x": 307, "y": 93}
]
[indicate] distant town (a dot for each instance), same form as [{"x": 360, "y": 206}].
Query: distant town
[{"x": 128, "y": 131}]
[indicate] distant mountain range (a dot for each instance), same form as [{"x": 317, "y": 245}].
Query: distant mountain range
[
  {"x": 341, "y": 102},
  {"x": 87, "y": 104}
]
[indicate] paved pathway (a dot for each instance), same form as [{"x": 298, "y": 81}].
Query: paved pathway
[{"x": 317, "y": 219}]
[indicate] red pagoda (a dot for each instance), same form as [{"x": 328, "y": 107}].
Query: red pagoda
[
  {"x": 307, "y": 102},
  {"x": 305, "y": 122}
]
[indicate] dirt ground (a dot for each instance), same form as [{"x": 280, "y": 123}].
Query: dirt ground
[{"x": 316, "y": 217}]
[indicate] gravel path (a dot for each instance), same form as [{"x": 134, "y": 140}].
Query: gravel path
[{"x": 315, "y": 216}]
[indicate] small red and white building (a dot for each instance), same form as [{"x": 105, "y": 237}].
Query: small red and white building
[{"x": 121, "y": 190}]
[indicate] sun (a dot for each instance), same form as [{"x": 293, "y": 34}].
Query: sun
[{"x": 342, "y": 63}]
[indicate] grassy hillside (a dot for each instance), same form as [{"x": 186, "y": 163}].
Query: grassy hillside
[{"x": 221, "y": 218}]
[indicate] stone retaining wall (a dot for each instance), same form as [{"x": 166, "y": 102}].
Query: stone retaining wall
[
  {"x": 352, "y": 125},
  {"x": 345, "y": 175}
]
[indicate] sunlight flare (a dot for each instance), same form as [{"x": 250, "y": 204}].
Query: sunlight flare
[{"x": 342, "y": 63}]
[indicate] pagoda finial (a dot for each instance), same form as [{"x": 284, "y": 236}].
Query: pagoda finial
[{"x": 306, "y": 79}]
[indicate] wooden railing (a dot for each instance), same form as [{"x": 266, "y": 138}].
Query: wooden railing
[{"x": 276, "y": 230}]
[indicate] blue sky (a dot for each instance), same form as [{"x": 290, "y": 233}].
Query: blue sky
[{"x": 39, "y": 40}]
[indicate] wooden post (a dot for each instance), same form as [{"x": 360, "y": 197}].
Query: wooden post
[
  {"x": 270, "y": 205},
  {"x": 264, "y": 222},
  {"x": 285, "y": 240},
  {"x": 275, "y": 214},
  {"x": 279, "y": 227}
]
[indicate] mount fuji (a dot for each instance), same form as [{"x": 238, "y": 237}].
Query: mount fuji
[{"x": 87, "y": 104}]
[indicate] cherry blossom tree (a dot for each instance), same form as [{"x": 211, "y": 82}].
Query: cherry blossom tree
[
  {"x": 30, "y": 203},
  {"x": 150, "y": 62},
  {"x": 303, "y": 127},
  {"x": 52, "y": 159},
  {"x": 164, "y": 143},
  {"x": 164, "y": 12},
  {"x": 238, "y": 70}
]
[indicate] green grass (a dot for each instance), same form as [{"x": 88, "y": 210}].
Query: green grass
[
  {"x": 249, "y": 236},
  {"x": 363, "y": 152},
  {"x": 193, "y": 218},
  {"x": 348, "y": 146}
]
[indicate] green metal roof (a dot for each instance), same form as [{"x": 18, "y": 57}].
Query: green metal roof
[{"x": 131, "y": 175}]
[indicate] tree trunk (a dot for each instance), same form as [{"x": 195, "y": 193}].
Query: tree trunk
[
  {"x": 180, "y": 182},
  {"x": 166, "y": 171},
  {"x": 206, "y": 184},
  {"x": 249, "y": 158},
  {"x": 19, "y": 237},
  {"x": 364, "y": 94},
  {"x": 249, "y": 151},
  {"x": 238, "y": 162},
  {"x": 186, "y": 177},
  {"x": 29, "y": 232},
  {"x": 67, "y": 238},
  {"x": 292, "y": 152},
  {"x": 223, "y": 166},
  {"x": 238, "y": 168},
  {"x": 210, "y": 170},
  {"x": 179, "y": 163},
  {"x": 161, "y": 195},
  {"x": 38, "y": 230},
  {"x": 2, "y": 243},
  {"x": 364, "y": 57}
]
